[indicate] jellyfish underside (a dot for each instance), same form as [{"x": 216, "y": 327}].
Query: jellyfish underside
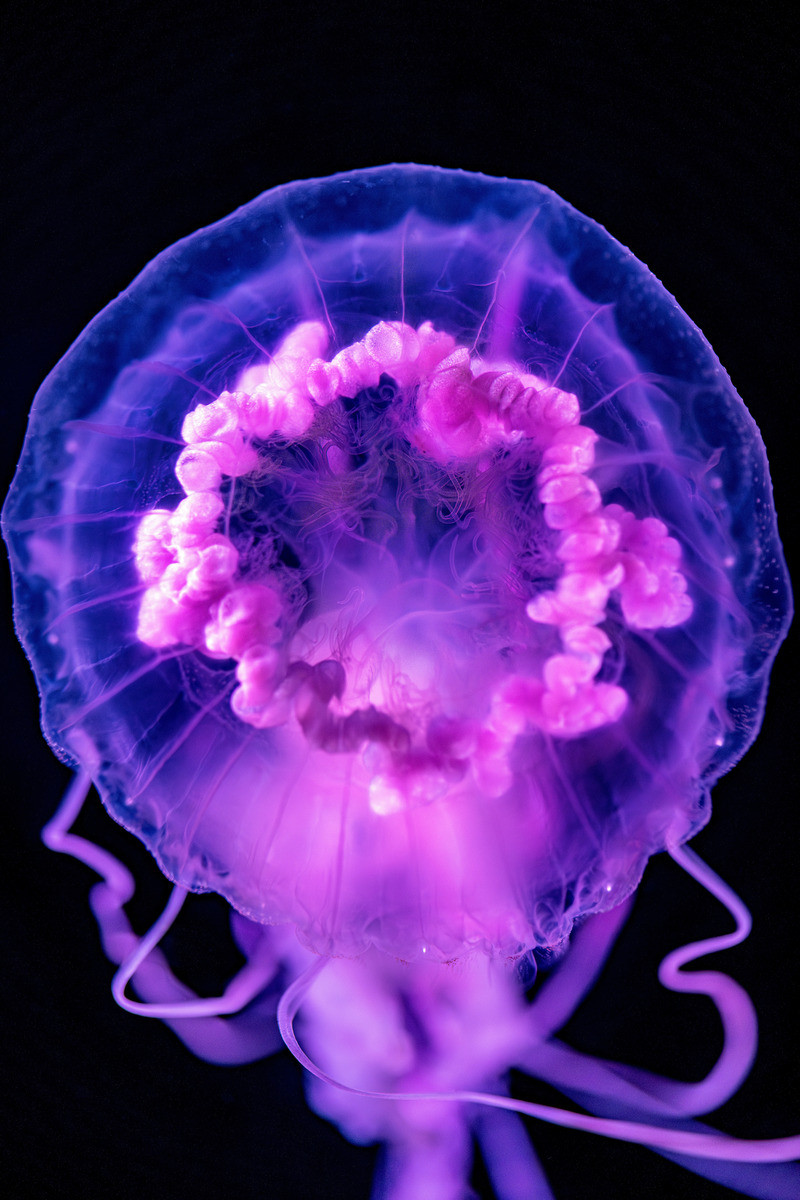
[{"x": 437, "y": 600}]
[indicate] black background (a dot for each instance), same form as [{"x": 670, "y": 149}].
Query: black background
[{"x": 128, "y": 128}]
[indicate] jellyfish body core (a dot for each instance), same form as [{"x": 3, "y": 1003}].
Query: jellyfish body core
[
  {"x": 421, "y": 667},
  {"x": 406, "y": 572}
]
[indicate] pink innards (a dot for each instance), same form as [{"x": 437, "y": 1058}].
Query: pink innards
[{"x": 461, "y": 413}]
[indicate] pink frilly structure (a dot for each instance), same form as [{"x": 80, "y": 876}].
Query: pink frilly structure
[{"x": 398, "y": 562}]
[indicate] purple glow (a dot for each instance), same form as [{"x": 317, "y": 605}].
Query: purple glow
[{"x": 399, "y": 562}]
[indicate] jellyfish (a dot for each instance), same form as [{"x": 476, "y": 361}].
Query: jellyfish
[{"x": 398, "y": 562}]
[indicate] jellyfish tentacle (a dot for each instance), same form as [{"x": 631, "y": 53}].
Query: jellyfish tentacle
[
  {"x": 571, "y": 980},
  {"x": 562, "y": 991},
  {"x": 658, "y": 1093},
  {"x": 735, "y": 1008},
  {"x": 198, "y": 1022},
  {"x": 436, "y": 1166},
  {"x": 602, "y": 1088},
  {"x": 56, "y": 836},
  {"x": 513, "y": 1165},
  {"x": 245, "y": 985},
  {"x": 672, "y": 1138}
]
